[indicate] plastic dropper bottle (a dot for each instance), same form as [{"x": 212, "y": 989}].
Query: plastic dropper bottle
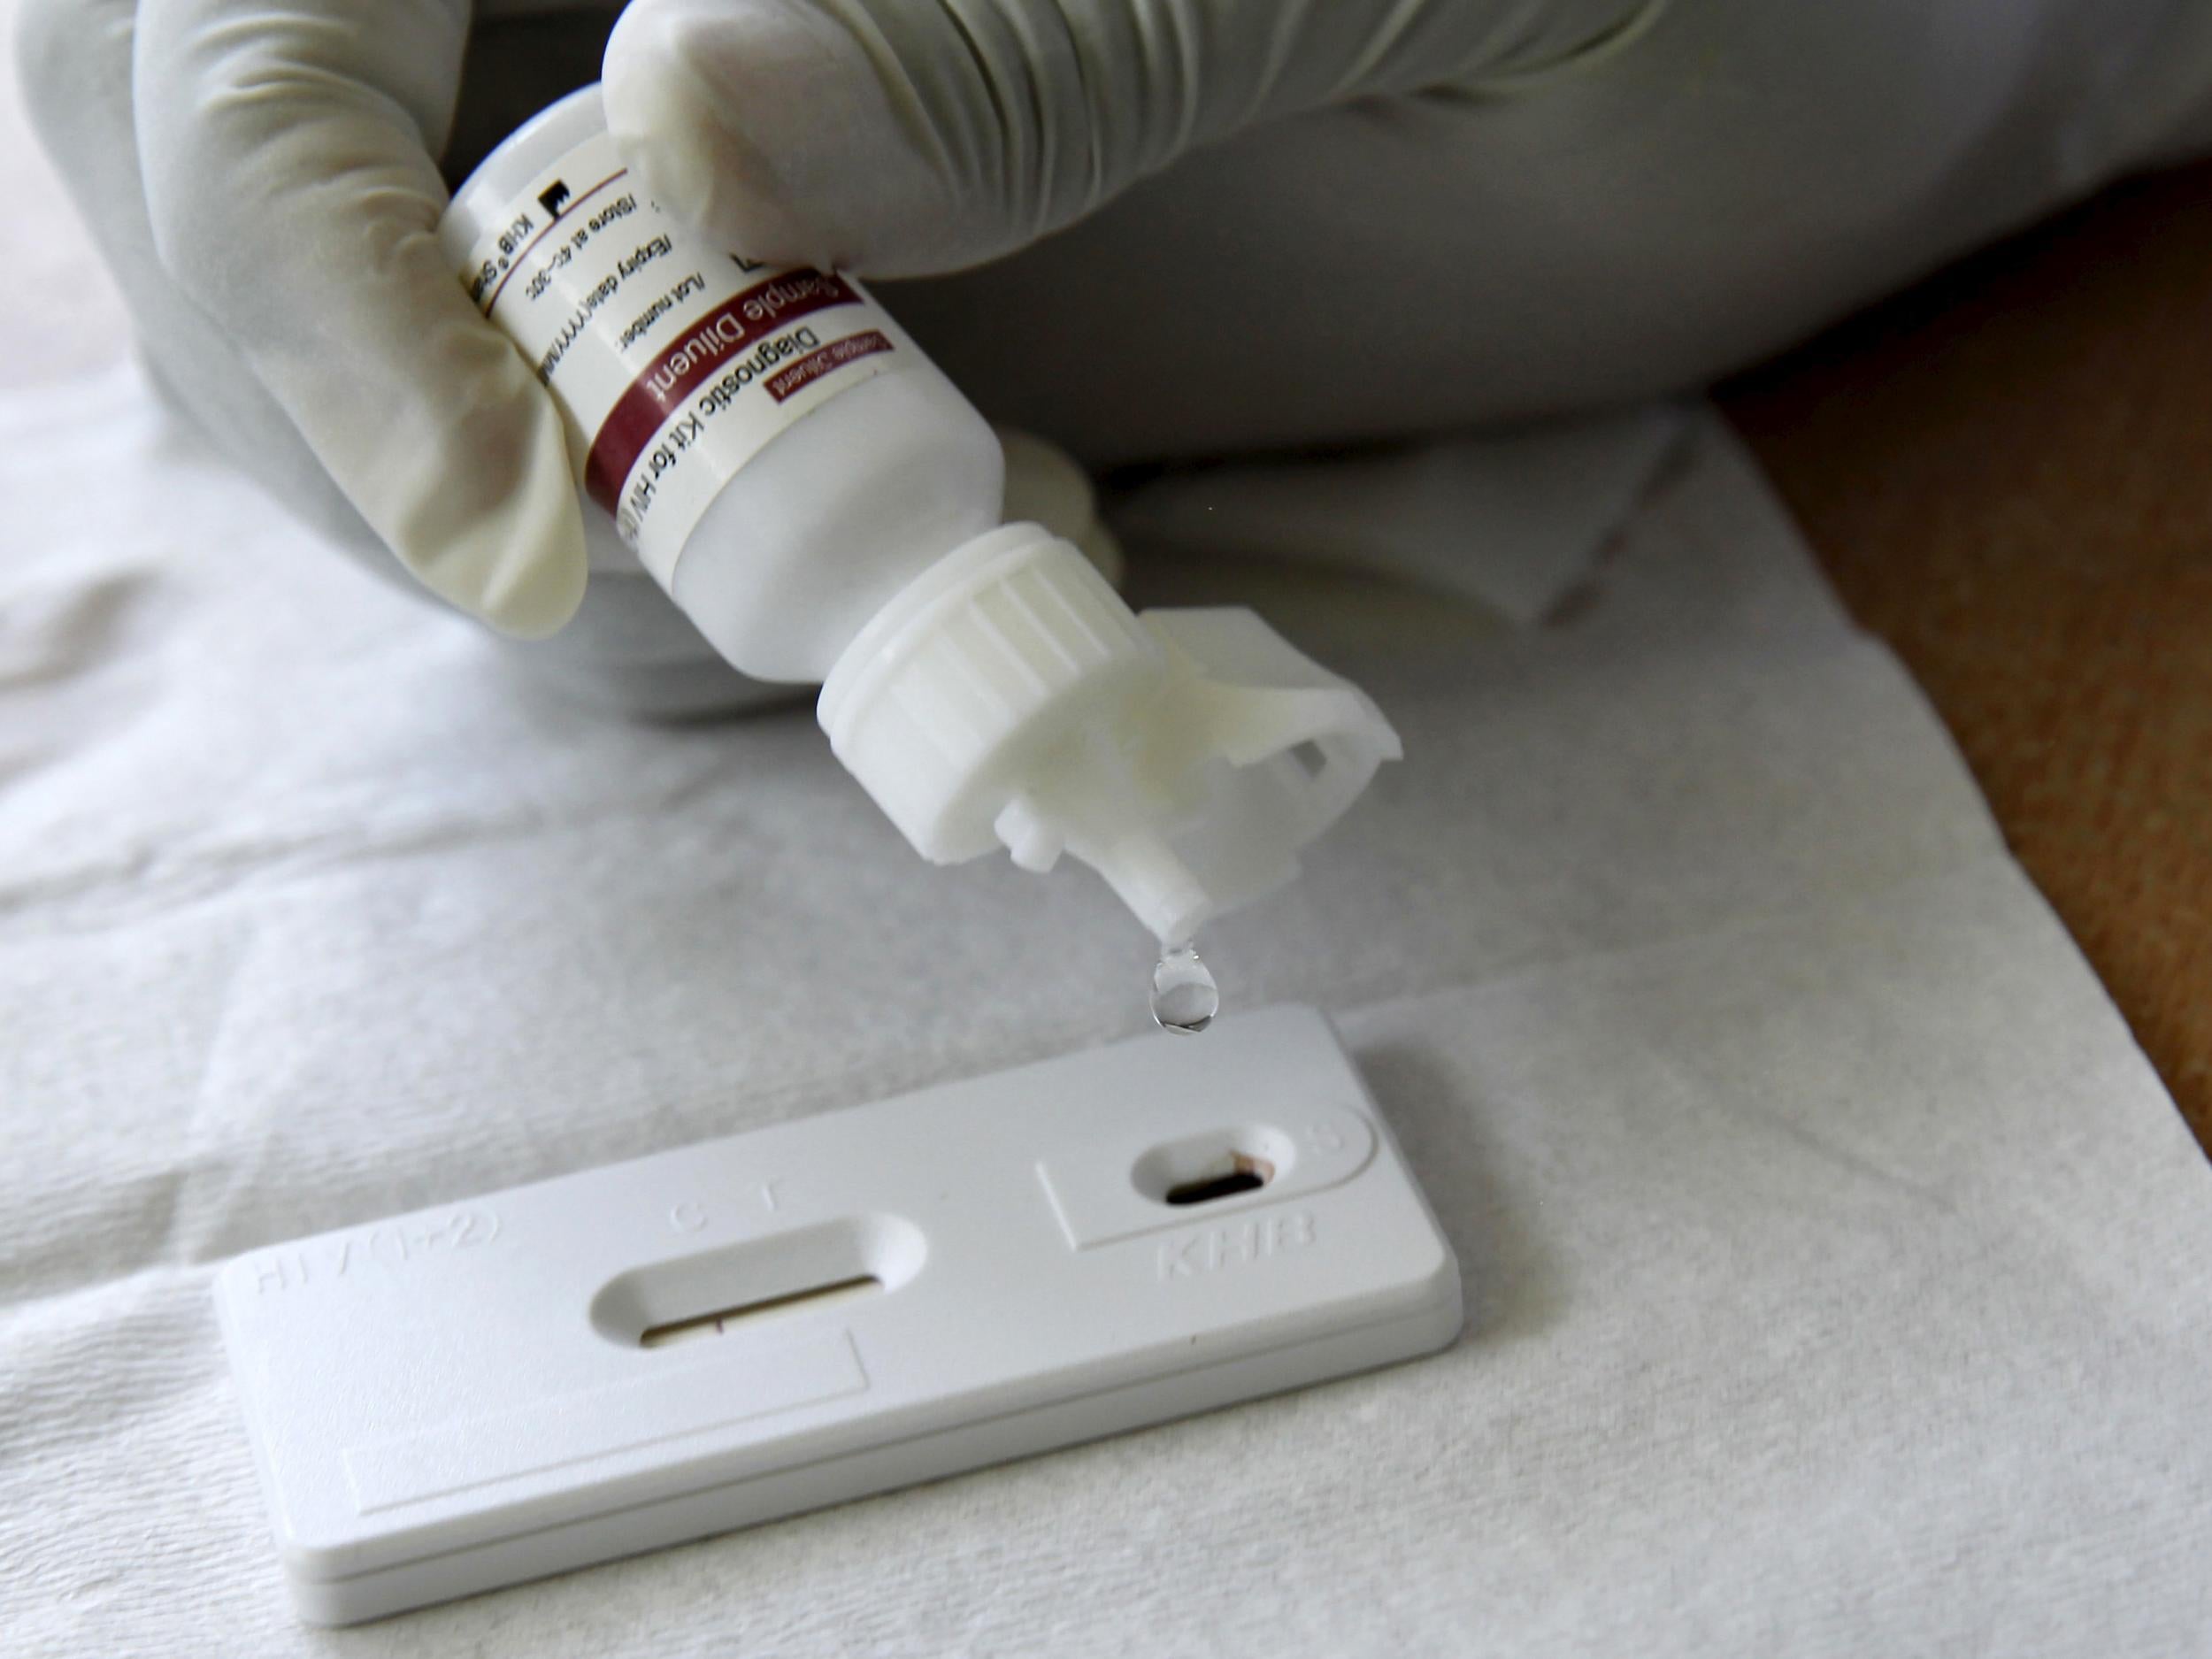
[{"x": 824, "y": 504}]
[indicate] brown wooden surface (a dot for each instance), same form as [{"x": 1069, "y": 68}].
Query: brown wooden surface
[{"x": 2008, "y": 473}]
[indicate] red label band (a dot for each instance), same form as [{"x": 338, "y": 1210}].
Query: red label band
[
  {"x": 740, "y": 321},
  {"x": 816, "y": 364}
]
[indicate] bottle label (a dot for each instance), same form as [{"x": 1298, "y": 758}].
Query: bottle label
[{"x": 673, "y": 364}]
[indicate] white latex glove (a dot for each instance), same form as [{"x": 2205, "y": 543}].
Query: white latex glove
[{"x": 261, "y": 177}]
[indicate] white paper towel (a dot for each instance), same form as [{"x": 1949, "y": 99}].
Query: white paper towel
[{"x": 1839, "y": 1271}]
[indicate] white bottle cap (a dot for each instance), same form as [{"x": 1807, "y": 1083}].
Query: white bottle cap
[{"x": 1008, "y": 695}]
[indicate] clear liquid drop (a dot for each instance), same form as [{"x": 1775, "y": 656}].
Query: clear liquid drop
[{"x": 1185, "y": 998}]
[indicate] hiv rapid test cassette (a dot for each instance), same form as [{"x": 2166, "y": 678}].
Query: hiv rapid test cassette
[{"x": 713, "y": 1336}]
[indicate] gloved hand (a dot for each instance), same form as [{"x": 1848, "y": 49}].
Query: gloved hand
[
  {"x": 1390, "y": 215},
  {"x": 261, "y": 174}
]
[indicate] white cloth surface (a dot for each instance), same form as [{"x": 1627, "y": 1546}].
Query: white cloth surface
[
  {"x": 1839, "y": 1271},
  {"x": 1512, "y": 520}
]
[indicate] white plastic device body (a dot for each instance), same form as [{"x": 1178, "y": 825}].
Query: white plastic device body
[{"x": 611, "y": 1361}]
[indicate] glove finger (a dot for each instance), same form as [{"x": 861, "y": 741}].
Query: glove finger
[
  {"x": 292, "y": 197},
  {"x": 74, "y": 62},
  {"x": 913, "y": 137},
  {"x": 807, "y": 134}
]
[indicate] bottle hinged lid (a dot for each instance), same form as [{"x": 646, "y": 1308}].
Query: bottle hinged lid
[{"x": 1008, "y": 697}]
